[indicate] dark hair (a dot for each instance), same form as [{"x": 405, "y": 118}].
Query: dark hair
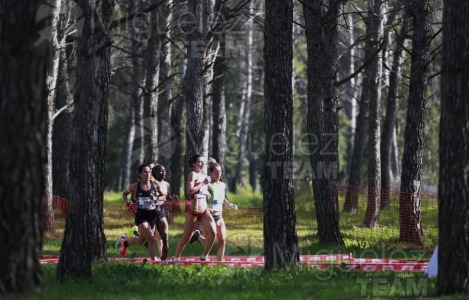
[
  {"x": 194, "y": 159},
  {"x": 155, "y": 169},
  {"x": 140, "y": 168},
  {"x": 212, "y": 164}
]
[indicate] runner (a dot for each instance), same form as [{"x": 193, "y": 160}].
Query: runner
[
  {"x": 146, "y": 193},
  {"x": 197, "y": 210},
  {"x": 217, "y": 189},
  {"x": 159, "y": 175}
]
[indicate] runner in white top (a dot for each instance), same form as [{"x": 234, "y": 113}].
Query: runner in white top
[{"x": 217, "y": 189}]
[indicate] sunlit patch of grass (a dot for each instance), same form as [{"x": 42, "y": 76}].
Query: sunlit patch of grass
[
  {"x": 111, "y": 197},
  {"x": 138, "y": 281},
  {"x": 246, "y": 197},
  {"x": 245, "y": 226}
]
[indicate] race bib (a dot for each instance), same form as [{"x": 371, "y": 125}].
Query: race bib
[
  {"x": 146, "y": 203},
  {"x": 217, "y": 207}
]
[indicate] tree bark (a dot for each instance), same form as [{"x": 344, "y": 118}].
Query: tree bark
[
  {"x": 150, "y": 113},
  {"x": 142, "y": 127},
  {"x": 410, "y": 218},
  {"x": 166, "y": 133},
  {"x": 350, "y": 93},
  {"x": 280, "y": 238},
  {"x": 245, "y": 113},
  {"x": 322, "y": 120},
  {"x": 354, "y": 178},
  {"x": 219, "y": 106},
  {"x": 23, "y": 92},
  {"x": 61, "y": 139},
  {"x": 84, "y": 239},
  {"x": 195, "y": 81},
  {"x": 52, "y": 74},
  {"x": 453, "y": 186},
  {"x": 176, "y": 123},
  {"x": 391, "y": 112},
  {"x": 375, "y": 74}
]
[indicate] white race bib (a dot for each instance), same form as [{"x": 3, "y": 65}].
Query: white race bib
[
  {"x": 217, "y": 205},
  {"x": 146, "y": 203}
]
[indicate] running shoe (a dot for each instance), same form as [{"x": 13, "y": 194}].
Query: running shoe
[
  {"x": 123, "y": 249},
  {"x": 194, "y": 236},
  {"x": 119, "y": 241}
]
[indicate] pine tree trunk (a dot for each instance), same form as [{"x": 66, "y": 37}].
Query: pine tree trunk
[
  {"x": 410, "y": 218},
  {"x": 280, "y": 238},
  {"x": 218, "y": 106},
  {"x": 395, "y": 154},
  {"x": 176, "y": 123},
  {"x": 350, "y": 91},
  {"x": 138, "y": 28},
  {"x": 61, "y": 139},
  {"x": 391, "y": 113},
  {"x": 323, "y": 121},
  {"x": 247, "y": 97},
  {"x": 166, "y": 133},
  {"x": 150, "y": 113},
  {"x": 453, "y": 186},
  {"x": 195, "y": 81},
  {"x": 84, "y": 239},
  {"x": 374, "y": 73},
  {"x": 128, "y": 143},
  {"x": 23, "y": 126}
]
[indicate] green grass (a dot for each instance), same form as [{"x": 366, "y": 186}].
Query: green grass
[
  {"x": 244, "y": 237},
  {"x": 145, "y": 281},
  {"x": 111, "y": 197}
]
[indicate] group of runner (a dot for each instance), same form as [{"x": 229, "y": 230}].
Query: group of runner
[{"x": 151, "y": 192}]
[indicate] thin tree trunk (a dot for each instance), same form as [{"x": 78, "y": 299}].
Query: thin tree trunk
[
  {"x": 391, "y": 113},
  {"x": 354, "y": 180},
  {"x": 453, "y": 185},
  {"x": 212, "y": 42},
  {"x": 150, "y": 113},
  {"x": 128, "y": 143},
  {"x": 128, "y": 156},
  {"x": 350, "y": 103},
  {"x": 218, "y": 106},
  {"x": 166, "y": 140},
  {"x": 84, "y": 239},
  {"x": 142, "y": 129},
  {"x": 410, "y": 218},
  {"x": 375, "y": 73},
  {"x": 176, "y": 124},
  {"x": 52, "y": 73},
  {"x": 246, "y": 113},
  {"x": 61, "y": 142},
  {"x": 23, "y": 92},
  {"x": 166, "y": 134},
  {"x": 395, "y": 154},
  {"x": 280, "y": 238}
]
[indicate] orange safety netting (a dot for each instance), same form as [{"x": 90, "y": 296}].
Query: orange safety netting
[{"x": 405, "y": 217}]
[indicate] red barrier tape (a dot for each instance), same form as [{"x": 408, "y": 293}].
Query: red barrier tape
[{"x": 311, "y": 261}]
